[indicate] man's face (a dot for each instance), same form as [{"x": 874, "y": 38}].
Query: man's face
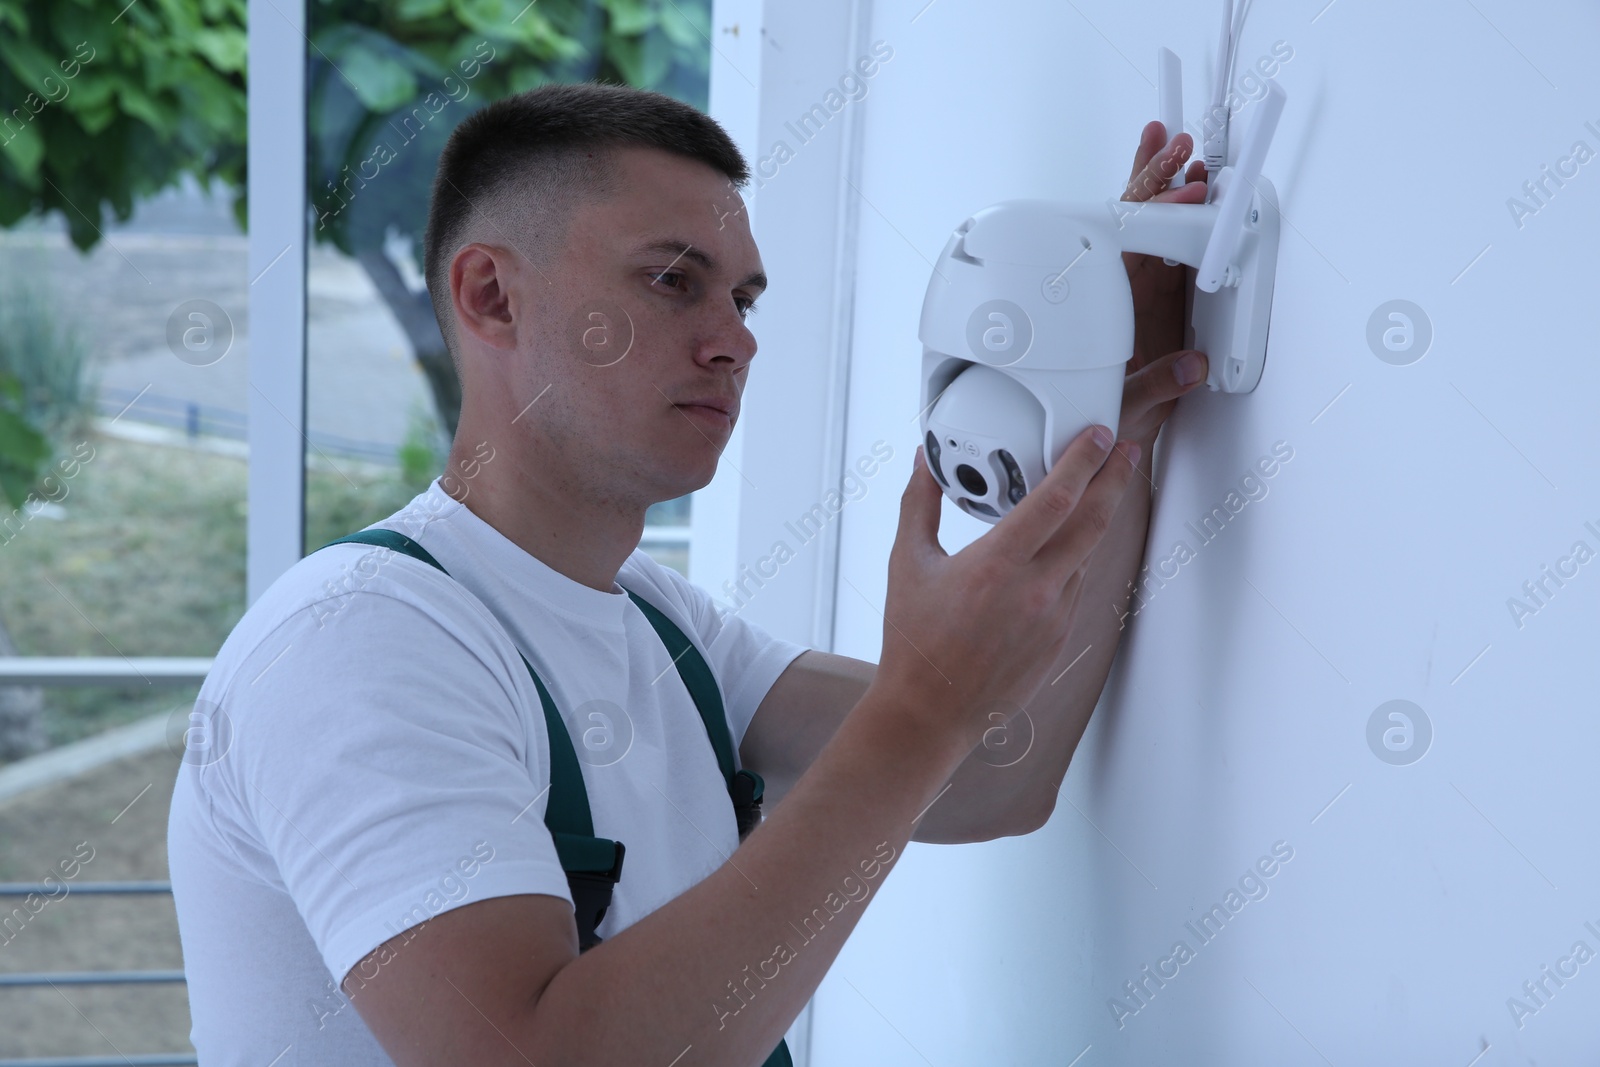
[{"x": 643, "y": 314}]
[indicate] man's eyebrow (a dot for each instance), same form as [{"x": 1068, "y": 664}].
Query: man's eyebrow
[{"x": 680, "y": 249}]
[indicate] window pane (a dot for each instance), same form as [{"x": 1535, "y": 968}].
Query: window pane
[
  {"x": 385, "y": 89},
  {"x": 130, "y": 540},
  {"x": 123, "y": 391}
]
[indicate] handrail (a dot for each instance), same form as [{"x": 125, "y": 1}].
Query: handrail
[
  {"x": 90, "y": 978},
  {"x": 103, "y": 670},
  {"x": 22, "y": 889},
  {"x": 60, "y": 978},
  {"x": 177, "y": 1059}
]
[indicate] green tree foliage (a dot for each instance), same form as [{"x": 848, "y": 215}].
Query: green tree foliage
[
  {"x": 100, "y": 108},
  {"x": 23, "y": 449}
]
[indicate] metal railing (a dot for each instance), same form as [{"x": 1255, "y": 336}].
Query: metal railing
[
  {"x": 198, "y": 420},
  {"x": 112, "y": 671},
  {"x": 96, "y": 978}
]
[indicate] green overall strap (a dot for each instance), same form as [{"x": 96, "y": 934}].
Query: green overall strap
[
  {"x": 702, "y": 686},
  {"x": 698, "y": 679},
  {"x": 567, "y": 811}
]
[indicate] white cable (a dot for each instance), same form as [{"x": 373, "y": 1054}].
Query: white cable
[
  {"x": 1216, "y": 119},
  {"x": 1238, "y": 33},
  {"x": 1219, "y": 90}
]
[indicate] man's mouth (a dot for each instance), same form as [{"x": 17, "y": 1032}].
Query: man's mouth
[{"x": 707, "y": 413}]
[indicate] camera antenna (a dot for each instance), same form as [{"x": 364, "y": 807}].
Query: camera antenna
[
  {"x": 1169, "y": 87},
  {"x": 1216, "y": 266}
]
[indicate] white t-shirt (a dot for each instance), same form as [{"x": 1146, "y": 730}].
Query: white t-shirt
[{"x": 370, "y": 751}]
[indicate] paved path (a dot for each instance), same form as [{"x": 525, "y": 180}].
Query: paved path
[{"x": 363, "y": 383}]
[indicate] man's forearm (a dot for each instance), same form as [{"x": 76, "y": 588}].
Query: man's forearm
[
  {"x": 989, "y": 789},
  {"x": 1062, "y": 708},
  {"x": 724, "y": 968}
]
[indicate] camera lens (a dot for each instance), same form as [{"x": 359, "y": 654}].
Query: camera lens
[{"x": 971, "y": 480}]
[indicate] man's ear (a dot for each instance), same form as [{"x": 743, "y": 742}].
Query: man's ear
[{"x": 481, "y": 277}]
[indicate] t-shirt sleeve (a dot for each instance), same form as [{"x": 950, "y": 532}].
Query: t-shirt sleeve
[
  {"x": 746, "y": 658},
  {"x": 383, "y": 756}
]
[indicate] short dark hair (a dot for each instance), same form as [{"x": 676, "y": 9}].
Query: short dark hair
[{"x": 546, "y": 150}]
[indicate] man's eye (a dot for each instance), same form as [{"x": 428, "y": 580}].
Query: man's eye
[
  {"x": 749, "y": 308},
  {"x": 654, "y": 278}
]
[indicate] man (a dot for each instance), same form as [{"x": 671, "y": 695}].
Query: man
[{"x": 361, "y": 873}]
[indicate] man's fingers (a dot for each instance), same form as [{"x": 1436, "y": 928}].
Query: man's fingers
[
  {"x": 1035, "y": 520},
  {"x": 1065, "y": 552},
  {"x": 1164, "y": 379},
  {"x": 1189, "y": 193},
  {"x": 1151, "y": 138},
  {"x": 1158, "y": 168},
  {"x": 919, "y": 510}
]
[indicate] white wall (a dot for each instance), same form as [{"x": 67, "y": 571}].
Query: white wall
[{"x": 1377, "y": 566}]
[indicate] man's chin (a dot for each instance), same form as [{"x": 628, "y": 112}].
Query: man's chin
[{"x": 692, "y": 473}]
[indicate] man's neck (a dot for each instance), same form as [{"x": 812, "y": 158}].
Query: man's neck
[{"x": 567, "y": 531}]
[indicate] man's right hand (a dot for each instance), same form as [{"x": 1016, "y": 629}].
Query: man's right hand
[{"x": 964, "y": 632}]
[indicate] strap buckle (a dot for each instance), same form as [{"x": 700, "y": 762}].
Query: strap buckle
[
  {"x": 746, "y": 789},
  {"x": 590, "y": 883}
]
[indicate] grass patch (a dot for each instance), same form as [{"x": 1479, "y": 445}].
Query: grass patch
[{"x": 148, "y": 559}]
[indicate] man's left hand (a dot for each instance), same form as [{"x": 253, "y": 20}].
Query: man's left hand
[{"x": 1160, "y": 370}]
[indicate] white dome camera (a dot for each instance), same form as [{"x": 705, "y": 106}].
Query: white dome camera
[
  {"x": 1020, "y": 354},
  {"x": 975, "y": 433},
  {"x": 1027, "y": 322}
]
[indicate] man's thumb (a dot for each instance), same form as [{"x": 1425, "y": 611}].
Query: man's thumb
[{"x": 919, "y": 505}]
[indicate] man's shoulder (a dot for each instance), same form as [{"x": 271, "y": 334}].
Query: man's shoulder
[
  {"x": 354, "y": 594},
  {"x": 669, "y": 591},
  {"x": 334, "y": 578}
]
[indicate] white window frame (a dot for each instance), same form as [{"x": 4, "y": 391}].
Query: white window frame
[{"x": 275, "y": 530}]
